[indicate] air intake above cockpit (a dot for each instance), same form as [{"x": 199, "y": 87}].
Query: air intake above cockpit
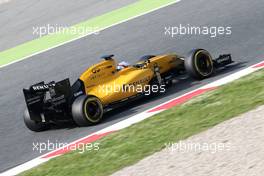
[{"x": 108, "y": 57}]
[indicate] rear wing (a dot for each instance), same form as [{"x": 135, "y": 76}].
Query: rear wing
[{"x": 43, "y": 98}]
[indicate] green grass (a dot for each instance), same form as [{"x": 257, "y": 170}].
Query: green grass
[
  {"x": 126, "y": 147},
  {"x": 100, "y": 22}
]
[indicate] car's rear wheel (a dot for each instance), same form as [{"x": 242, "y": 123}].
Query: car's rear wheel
[
  {"x": 199, "y": 64},
  {"x": 33, "y": 125},
  {"x": 87, "y": 110}
]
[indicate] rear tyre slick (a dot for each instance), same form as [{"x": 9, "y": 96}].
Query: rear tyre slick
[
  {"x": 33, "y": 125},
  {"x": 199, "y": 64},
  {"x": 87, "y": 110}
]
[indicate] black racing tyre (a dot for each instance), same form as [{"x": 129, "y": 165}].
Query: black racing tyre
[
  {"x": 87, "y": 110},
  {"x": 33, "y": 125},
  {"x": 199, "y": 64}
]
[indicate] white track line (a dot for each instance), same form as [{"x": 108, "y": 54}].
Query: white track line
[
  {"x": 132, "y": 120},
  {"x": 63, "y": 43}
]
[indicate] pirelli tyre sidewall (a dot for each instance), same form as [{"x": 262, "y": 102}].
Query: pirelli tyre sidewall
[
  {"x": 33, "y": 125},
  {"x": 199, "y": 64},
  {"x": 87, "y": 110}
]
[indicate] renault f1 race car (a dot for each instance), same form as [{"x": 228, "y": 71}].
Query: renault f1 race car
[{"x": 106, "y": 86}]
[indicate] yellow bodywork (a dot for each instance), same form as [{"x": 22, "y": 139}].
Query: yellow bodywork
[{"x": 104, "y": 81}]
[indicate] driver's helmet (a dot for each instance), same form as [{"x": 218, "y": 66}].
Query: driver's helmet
[{"x": 122, "y": 65}]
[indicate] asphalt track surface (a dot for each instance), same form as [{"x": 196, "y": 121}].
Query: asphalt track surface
[
  {"x": 17, "y": 18},
  {"x": 128, "y": 41}
]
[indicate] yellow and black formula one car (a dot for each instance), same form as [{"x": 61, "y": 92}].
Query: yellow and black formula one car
[{"x": 108, "y": 85}]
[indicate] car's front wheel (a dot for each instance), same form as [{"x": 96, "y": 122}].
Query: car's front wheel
[
  {"x": 199, "y": 64},
  {"x": 87, "y": 110}
]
